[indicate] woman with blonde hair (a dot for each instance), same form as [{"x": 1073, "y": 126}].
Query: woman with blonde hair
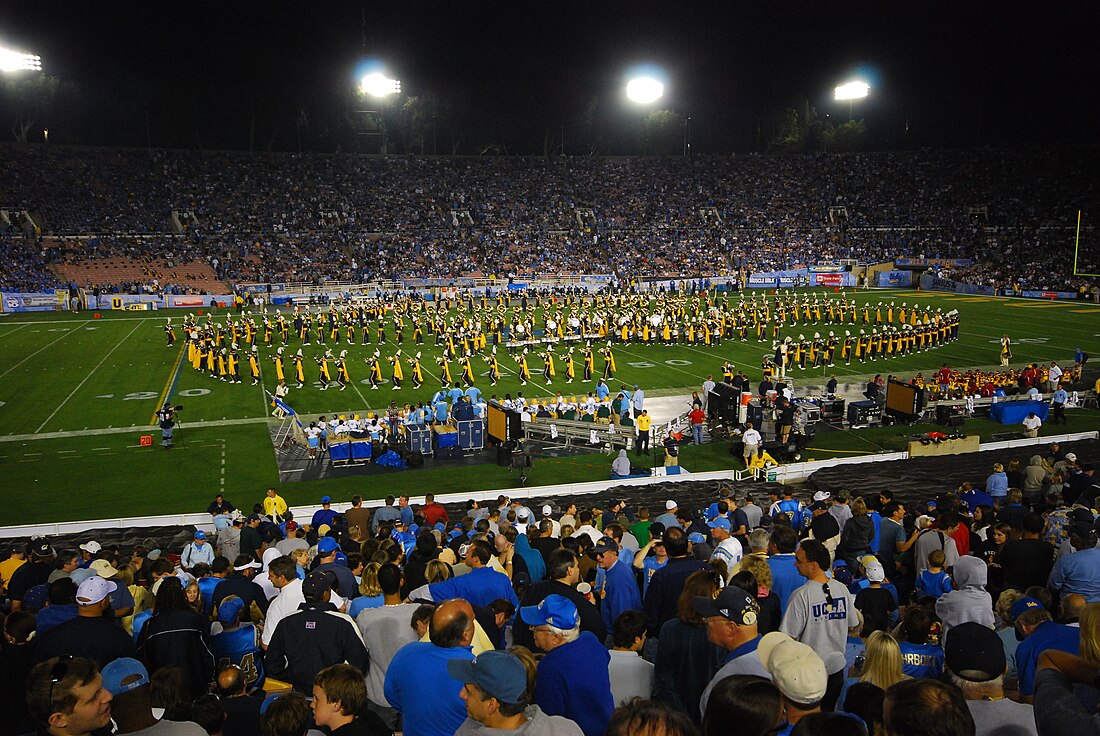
[
  {"x": 370, "y": 591},
  {"x": 1090, "y": 633},
  {"x": 881, "y": 665},
  {"x": 436, "y": 571}
]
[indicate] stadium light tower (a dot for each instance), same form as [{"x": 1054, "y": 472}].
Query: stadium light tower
[
  {"x": 377, "y": 84},
  {"x": 850, "y": 92},
  {"x": 17, "y": 61}
]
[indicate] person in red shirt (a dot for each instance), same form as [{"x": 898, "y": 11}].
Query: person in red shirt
[
  {"x": 433, "y": 512},
  {"x": 943, "y": 377},
  {"x": 697, "y": 416}
]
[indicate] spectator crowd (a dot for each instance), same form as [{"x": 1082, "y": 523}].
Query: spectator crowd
[
  {"x": 286, "y": 218},
  {"x": 971, "y": 613}
]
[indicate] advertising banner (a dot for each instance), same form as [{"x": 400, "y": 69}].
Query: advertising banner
[{"x": 37, "y": 302}]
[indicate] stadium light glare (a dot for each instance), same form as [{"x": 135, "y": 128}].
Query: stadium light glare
[
  {"x": 851, "y": 91},
  {"x": 379, "y": 85},
  {"x": 644, "y": 90},
  {"x": 17, "y": 61}
]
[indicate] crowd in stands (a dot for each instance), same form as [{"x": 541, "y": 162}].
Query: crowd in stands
[
  {"x": 847, "y": 614},
  {"x": 285, "y": 217}
]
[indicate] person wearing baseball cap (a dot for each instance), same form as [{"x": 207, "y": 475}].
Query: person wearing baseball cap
[
  {"x": 573, "y": 679},
  {"x": 976, "y": 664},
  {"x": 90, "y": 634},
  {"x": 121, "y": 599},
  {"x": 88, "y": 551},
  {"x": 730, "y": 617},
  {"x": 494, "y": 688},
  {"x": 238, "y": 643},
  {"x": 327, "y": 549},
  {"x": 615, "y": 582},
  {"x": 198, "y": 551},
  {"x": 1037, "y": 632},
  {"x": 313, "y": 637},
  {"x": 241, "y": 583},
  {"x": 324, "y": 515},
  {"x": 127, "y": 680},
  {"x": 797, "y": 671},
  {"x": 669, "y": 517},
  {"x": 726, "y": 549},
  {"x": 35, "y": 571}
]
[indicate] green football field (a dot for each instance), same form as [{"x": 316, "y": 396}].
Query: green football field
[{"x": 77, "y": 393}]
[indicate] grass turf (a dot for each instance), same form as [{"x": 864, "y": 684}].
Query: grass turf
[{"x": 65, "y": 373}]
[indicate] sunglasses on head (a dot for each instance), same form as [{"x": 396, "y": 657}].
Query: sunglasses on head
[{"x": 58, "y": 672}]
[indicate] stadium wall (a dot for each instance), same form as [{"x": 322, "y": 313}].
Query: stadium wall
[{"x": 930, "y": 282}]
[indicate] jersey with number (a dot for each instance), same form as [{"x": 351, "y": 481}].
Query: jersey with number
[
  {"x": 240, "y": 646},
  {"x": 793, "y": 510}
]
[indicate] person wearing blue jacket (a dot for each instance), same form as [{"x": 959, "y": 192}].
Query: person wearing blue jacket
[
  {"x": 573, "y": 679},
  {"x": 996, "y": 485},
  {"x": 615, "y": 583},
  {"x": 481, "y": 586}
]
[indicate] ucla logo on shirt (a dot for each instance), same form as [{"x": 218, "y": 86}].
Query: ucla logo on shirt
[{"x": 839, "y": 610}]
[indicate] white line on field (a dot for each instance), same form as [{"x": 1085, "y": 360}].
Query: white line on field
[
  {"x": 36, "y": 352},
  {"x": 90, "y": 374},
  {"x": 10, "y": 332}
]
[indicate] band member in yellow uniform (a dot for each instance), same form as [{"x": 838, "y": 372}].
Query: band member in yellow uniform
[
  {"x": 445, "y": 379},
  {"x": 570, "y": 368},
  {"x": 375, "y": 372},
  {"x": 398, "y": 373},
  {"x": 299, "y": 371},
  {"x": 210, "y": 358},
  {"x": 608, "y": 362},
  {"x": 467, "y": 370},
  {"x": 322, "y": 363},
  {"x": 253, "y": 365},
  {"x": 494, "y": 367},
  {"x": 170, "y": 332},
  {"x": 524, "y": 371},
  {"x": 586, "y": 354},
  {"x": 548, "y": 371},
  {"x": 232, "y": 365},
  {"x": 342, "y": 370},
  {"x": 417, "y": 371}
]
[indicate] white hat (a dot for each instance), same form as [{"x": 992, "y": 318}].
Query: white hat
[
  {"x": 94, "y": 547},
  {"x": 93, "y": 590},
  {"x": 874, "y": 571},
  {"x": 248, "y": 565},
  {"x": 822, "y": 496},
  {"x": 670, "y": 504},
  {"x": 546, "y": 510},
  {"x": 796, "y": 669},
  {"x": 924, "y": 521},
  {"x": 1071, "y": 457}
]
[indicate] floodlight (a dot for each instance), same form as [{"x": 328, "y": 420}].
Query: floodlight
[
  {"x": 644, "y": 90},
  {"x": 379, "y": 85},
  {"x": 17, "y": 61},
  {"x": 851, "y": 91}
]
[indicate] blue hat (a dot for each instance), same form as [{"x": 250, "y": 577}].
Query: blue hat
[
  {"x": 696, "y": 538},
  {"x": 327, "y": 545},
  {"x": 123, "y": 675},
  {"x": 200, "y": 534},
  {"x": 341, "y": 559},
  {"x": 500, "y": 674},
  {"x": 326, "y": 499},
  {"x": 268, "y": 701},
  {"x": 1024, "y": 605},
  {"x": 719, "y": 522},
  {"x": 229, "y": 608},
  {"x": 440, "y": 526},
  {"x": 455, "y": 533},
  {"x": 555, "y": 610},
  {"x": 36, "y": 596}
]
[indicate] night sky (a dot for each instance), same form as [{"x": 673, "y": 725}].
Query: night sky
[{"x": 521, "y": 74}]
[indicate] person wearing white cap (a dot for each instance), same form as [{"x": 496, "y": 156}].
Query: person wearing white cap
[
  {"x": 797, "y": 671},
  {"x": 547, "y": 512},
  {"x": 89, "y": 634},
  {"x": 669, "y": 517},
  {"x": 88, "y": 551}
]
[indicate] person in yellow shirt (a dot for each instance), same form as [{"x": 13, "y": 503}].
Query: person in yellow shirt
[
  {"x": 10, "y": 565},
  {"x": 643, "y": 422},
  {"x": 274, "y": 503}
]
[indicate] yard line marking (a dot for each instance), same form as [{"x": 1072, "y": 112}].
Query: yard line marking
[
  {"x": 172, "y": 378},
  {"x": 90, "y": 374},
  {"x": 9, "y": 332},
  {"x": 36, "y": 352}
]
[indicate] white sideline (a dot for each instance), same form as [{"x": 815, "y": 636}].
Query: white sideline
[{"x": 789, "y": 473}]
